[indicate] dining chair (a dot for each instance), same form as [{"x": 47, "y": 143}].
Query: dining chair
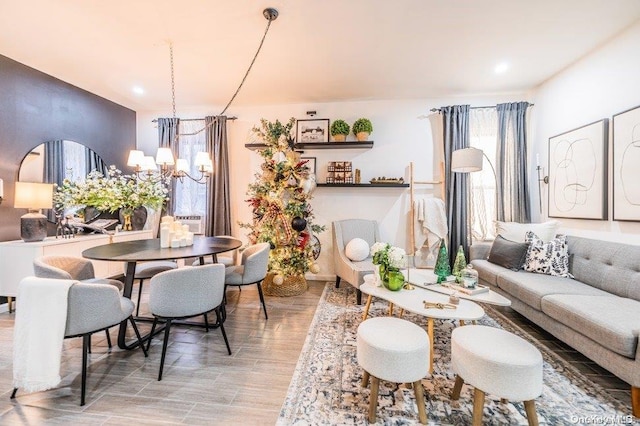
[
  {"x": 252, "y": 270},
  {"x": 71, "y": 268},
  {"x": 184, "y": 293},
  {"x": 146, "y": 271},
  {"x": 227, "y": 259},
  {"x": 91, "y": 308}
]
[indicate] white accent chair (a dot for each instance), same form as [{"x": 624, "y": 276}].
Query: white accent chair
[
  {"x": 353, "y": 272},
  {"x": 252, "y": 270},
  {"x": 184, "y": 293}
]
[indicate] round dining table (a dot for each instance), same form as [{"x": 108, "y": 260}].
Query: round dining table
[{"x": 136, "y": 251}]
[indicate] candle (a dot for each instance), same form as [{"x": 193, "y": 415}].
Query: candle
[
  {"x": 175, "y": 243},
  {"x": 166, "y": 219}
]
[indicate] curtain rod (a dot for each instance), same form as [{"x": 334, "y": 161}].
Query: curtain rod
[
  {"x": 478, "y": 107},
  {"x": 155, "y": 120}
]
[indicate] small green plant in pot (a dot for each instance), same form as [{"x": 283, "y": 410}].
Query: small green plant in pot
[
  {"x": 362, "y": 128},
  {"x": 339, "y": 130}
]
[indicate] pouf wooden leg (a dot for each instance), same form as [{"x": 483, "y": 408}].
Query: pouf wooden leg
[
  {"x": 457, "y": 388},
  {"x": 532, "y": 416},
  {"x": 422, "y": 412},
  {"x": 373, "y": 402},
  {"x": 478, "y": 405},
  {"x": 365, "y": 379}
]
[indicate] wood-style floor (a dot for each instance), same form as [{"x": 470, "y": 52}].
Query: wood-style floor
[{"x": 201, "y": 383}]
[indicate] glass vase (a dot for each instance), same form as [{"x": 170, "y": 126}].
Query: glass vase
[{"x": 394, "y": 281}]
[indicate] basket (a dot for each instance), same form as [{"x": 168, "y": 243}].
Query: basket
[{"x": 291, "y": 286}]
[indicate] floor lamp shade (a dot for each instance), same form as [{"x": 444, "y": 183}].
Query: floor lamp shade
[
  {"x": 466, "y": 160},
  {"x": 33, "y": 196}
]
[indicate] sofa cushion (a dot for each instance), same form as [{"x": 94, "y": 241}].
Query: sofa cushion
[
  {"x": 531, "y": 288},
  {"x": 487, "y": 271},
  {"x": 508, "y": 254},
  {"x": 551, "y": 258},
  {"x": 515, "y": 231},
  {"x": 611, "y": 321}
]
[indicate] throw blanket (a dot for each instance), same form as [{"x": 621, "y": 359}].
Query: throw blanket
[
  {"x": 41, "y": 318},
  {"x": 430, "y": 222}
]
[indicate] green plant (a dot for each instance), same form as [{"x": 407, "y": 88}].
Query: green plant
[
  {"x": 362, "y": 125},
  {"x": 339, "y": 127}
]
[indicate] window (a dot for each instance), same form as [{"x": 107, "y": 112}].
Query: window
[
  {"x": 190, "y": 196},
  {"x": 483, "y": 132}
]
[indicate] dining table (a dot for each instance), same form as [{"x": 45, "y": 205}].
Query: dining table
[{"x": 132, "y": 252}]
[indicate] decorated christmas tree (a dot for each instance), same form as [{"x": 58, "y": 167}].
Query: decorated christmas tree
[
  {"x": 282, "y": 215},
  {"x": 459, "y": 264},
  {"x": 442, "y": 269}
]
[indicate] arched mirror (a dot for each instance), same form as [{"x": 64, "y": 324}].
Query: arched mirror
[{"x": 54, "y": 161}]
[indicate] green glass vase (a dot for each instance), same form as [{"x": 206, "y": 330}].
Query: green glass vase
[{"x": 394, "y": 281}]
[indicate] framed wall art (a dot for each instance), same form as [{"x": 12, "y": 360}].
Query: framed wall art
[
  {"x": 626, "y": 165},
  {"x": 578, "y": 172},
  {"x": 314, "y": 131}
]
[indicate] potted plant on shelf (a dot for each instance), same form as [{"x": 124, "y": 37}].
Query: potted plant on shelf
[
  {"x": 339, "y": 130},
  {"x": 362, "y": 128}
]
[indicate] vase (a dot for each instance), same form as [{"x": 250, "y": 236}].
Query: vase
[
  {"x": 362, "y": 136},
  {"x": 339, "y": 138},
  {"x": 133, "y": 219},
  {"x": 391, "y": 280}
]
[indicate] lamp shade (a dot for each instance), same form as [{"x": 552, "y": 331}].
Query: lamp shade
[
  {"x": 182, "y": 165},
  {"x": 148, "y": 164},
  {"x": 201, "y": 159},
  {"x": 31, "y": 195},
  {"x": 164, "y": 156},
  {"x": 208, "y": 167},
  {"x": 466, "y": 160},
  {"x": 136, "y": 158}
]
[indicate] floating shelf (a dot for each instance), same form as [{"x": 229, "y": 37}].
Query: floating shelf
[
  {"x": 365, "y": 185},
  {"x": 320, "y": 145}
]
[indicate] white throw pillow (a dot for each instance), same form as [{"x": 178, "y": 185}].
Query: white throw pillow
[
  {"x": 357, "y": 249},
  {"x": 551, "y": 258},
  {"x": 515, "y": 231}
]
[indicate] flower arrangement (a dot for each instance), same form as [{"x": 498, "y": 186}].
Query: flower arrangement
[
  {"x": 112, "y": 192},
  {"x": 389, "y": 259}
]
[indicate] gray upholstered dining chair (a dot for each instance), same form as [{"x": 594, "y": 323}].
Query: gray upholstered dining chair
[
  {"x": 92, "y": 307},
  {"x": 184, "y": 293},
  {"x": 146, "y": 271},
  {"x": 71, "y": 268},
  {"x": 353, "y": 272},
  {"x": 252, "y": 270}
]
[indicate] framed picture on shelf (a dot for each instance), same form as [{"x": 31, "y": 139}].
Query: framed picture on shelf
[
  {"x": 311, "y": 163},
  {"x": 578, "y": 172},
  {"x": 312, "y": 131},
  {"x": 626, "y": 158}
]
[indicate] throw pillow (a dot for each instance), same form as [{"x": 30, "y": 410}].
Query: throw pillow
[
  {"x": 508, "y": 254},
  {"x": 515, "y": 231},
  {"x": 357, "y": 250},
  {"x": 550, "y": 258}
]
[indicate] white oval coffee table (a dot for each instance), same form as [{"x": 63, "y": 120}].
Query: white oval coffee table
[{"x": 413, "y": 301}]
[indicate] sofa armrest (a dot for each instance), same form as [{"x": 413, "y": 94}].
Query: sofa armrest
[{"x": 480, "y": 250}]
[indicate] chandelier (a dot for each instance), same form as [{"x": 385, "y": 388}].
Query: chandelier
[{"x": 145, "y": 166}]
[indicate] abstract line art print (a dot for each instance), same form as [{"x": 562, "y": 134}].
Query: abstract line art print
[
  {"x": 578, "y": 172},
  {"x": 626, "y": 165}
]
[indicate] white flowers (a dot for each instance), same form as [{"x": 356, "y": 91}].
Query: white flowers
[{"x": 392, "y": 258}]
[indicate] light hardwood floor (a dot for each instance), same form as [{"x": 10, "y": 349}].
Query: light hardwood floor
[{"x": 201, "y": 383}]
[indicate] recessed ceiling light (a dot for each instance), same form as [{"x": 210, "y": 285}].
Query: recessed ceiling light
[
  {"x": 501, "y": 68},
  {"x": 138, "y": 90}
]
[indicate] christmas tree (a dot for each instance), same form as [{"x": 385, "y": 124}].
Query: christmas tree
[
  {"x": 459, "y": 264},
  {"x": 279, "y": 199},
  {"x": 442, "y": 269}
]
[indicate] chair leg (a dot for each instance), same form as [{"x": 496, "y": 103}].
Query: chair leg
[
  {"x": 422, "y": 413},
  {"x": 167, "y": 327},
  {"x": 139, "y": 295},
  {"x": 224, "y": 333},
  {"x": 206, "y": 322},
  {"x": 365, "y": 378},
  {"x": 478, "y": 406},
  {"x": 153, "y": 329},
  {"x": 262, "y": 299},
  {"x": 373, "y": 402},
  {"x": 140, "y": 342},
  {"x": 108, "y": 338},
  {"x": 13, "y": 394},
  {"x": 89, "y": 350},
  {"x": 635, "y": 400},
  {"x": 86, "y": 344},
  {"x": 530, "y": 409},
  {"x": 10, "y": 303},
  {"x": 358, "y": 297},
  {"x": 338, "y": 281}
]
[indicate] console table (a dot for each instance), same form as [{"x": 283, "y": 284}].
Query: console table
[{"x": 16, "y": 257}]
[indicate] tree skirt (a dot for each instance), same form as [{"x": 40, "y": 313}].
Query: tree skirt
[{"x": 325, "y": 388}]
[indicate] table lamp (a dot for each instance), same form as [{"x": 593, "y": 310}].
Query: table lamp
[{"x": 33, "y": 196}]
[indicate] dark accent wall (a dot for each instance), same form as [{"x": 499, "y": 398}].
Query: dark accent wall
[{"x": 36, "y": 107}]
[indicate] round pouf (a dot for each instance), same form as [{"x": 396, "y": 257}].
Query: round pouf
[
  {"x": 394, "y": 350},
  {"x": 497, "y": 362}
]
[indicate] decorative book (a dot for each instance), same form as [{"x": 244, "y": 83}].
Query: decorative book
[{"x": 470, "y": 291}]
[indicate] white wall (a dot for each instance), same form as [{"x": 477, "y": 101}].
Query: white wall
[
  {"x": 399, "y": 137},
  {"x": 598, "y": 86}
]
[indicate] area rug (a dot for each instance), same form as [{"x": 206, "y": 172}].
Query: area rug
[{"x": 325, "y": 388}]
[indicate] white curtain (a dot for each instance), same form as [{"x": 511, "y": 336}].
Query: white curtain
[
  {"x": 191, "y": 197},
  {"x": 483, "y": 127}
]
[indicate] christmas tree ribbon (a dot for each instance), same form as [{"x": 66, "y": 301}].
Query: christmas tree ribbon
[{"x": 274, "y": 213}]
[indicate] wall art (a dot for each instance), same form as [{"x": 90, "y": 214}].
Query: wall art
[
  {"x": 626, "y": 165},
  {"x": 314, "y": 131}
]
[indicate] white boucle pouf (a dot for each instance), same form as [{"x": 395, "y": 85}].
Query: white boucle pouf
[
  {"x": 394, "y": 350},
  {"x": 496, "y": 362}
]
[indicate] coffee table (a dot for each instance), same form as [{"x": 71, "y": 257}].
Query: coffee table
[{"x": 413, "y": 301}]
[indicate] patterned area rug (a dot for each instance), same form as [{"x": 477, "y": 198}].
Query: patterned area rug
[{"x": 325, "y": 388}]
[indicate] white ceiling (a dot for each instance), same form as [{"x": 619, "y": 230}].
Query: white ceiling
[{"x": 316, "y": 51}]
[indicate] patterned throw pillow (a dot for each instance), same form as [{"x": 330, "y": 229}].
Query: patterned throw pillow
[{"x": 550, "y": 258}]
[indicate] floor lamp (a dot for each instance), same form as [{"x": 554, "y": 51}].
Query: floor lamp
[{"x": 469, "y": 160}]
